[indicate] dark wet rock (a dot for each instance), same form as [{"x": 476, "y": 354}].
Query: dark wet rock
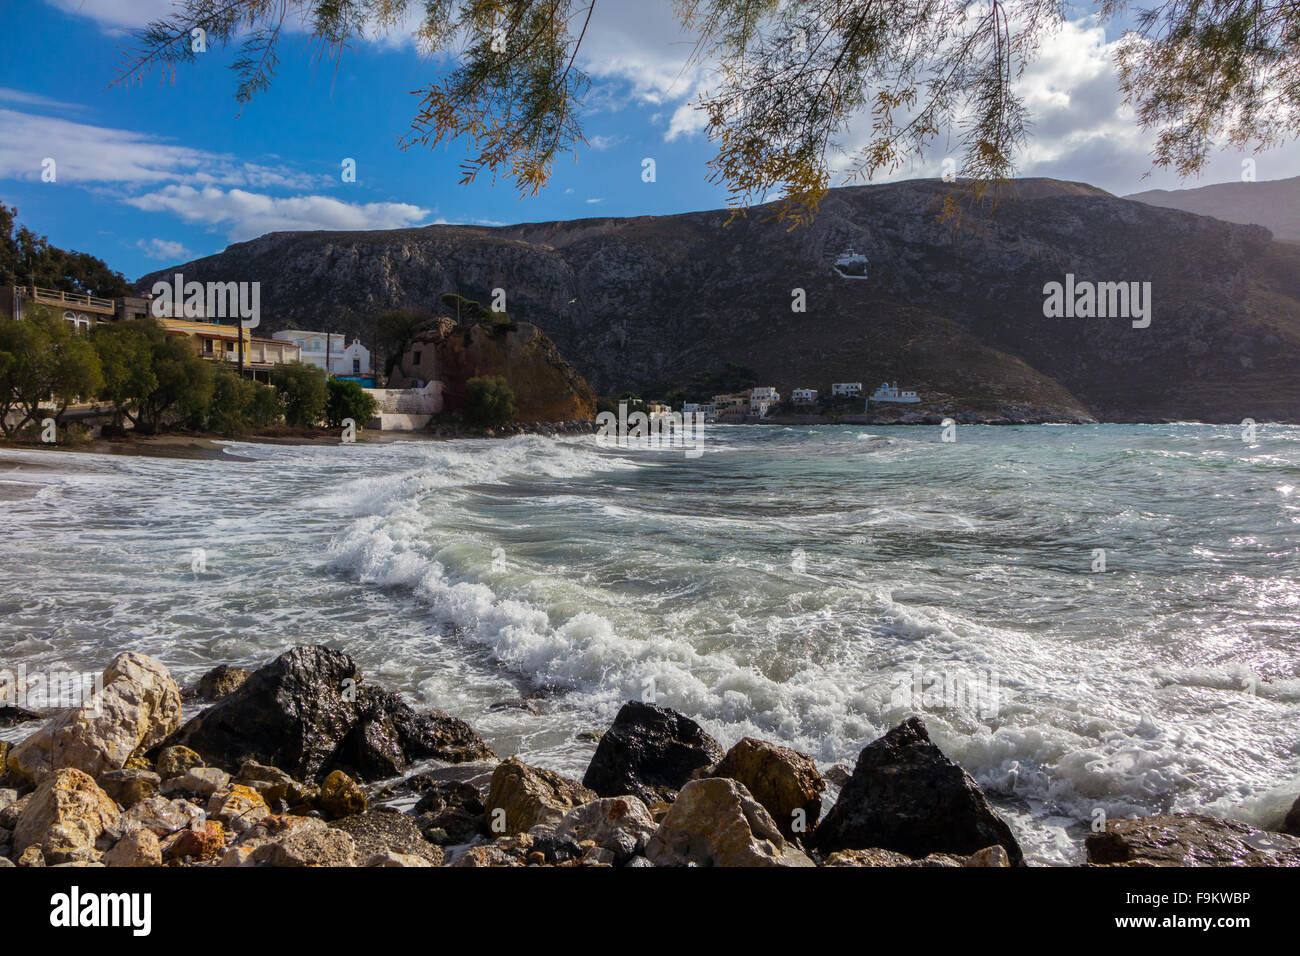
[
  {"x": 1190, "y": 839},
  {"x": 222, "y": 681},
  {"x": 649, "y": 752},
  {"x": 905, "y": 795},
  {"x": 519, "y": 703},
  {"x": 307, "y": 713},
  {"x": 450, "y": 812},
  {"x": 380, "y": 831},
  {"x": 784, "y": 781},
  {"x": 11, "y": 716},
  {"x": 1292, "y": 823},
  {"x": 389, "y": 734},
  {"x": 291, "y": 714}
]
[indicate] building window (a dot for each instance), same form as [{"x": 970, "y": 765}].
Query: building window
[{"x": 415, "y": 358}]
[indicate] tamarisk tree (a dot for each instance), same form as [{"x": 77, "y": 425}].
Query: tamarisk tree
[{"x": 790, "y": 79}]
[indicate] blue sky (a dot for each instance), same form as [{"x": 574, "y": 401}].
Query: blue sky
[{"x": 159, "y": 173}]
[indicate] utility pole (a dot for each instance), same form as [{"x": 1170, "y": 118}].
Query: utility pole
[{"x": 327, "y": 351}]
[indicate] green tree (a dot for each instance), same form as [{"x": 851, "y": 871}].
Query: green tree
[
  {"x": 44, "y": 361},
  {"x": 151, "y": 377},
  {"x": 349, "y": 400},
  {"x": 489, "y": 402},
  {"x": 237, "y": 404},
  {"x": 393, "y": 330},
  {"x": 786, "y": 78},
  {"x": 302, "y": 392}
]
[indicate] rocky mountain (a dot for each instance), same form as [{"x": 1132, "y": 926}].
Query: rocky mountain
[
  {"x": 1273, "y": 204},
  {"x": 953, "y": 308}
]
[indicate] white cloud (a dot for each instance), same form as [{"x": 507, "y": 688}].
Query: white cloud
[
  {"x": 245, "y": 215},
  {"x": 87, "y": 154},
  {"x": 164, "y": 249},
  {"x": 35, "y": 99},
  {"x": 116, "y": 14},
  {"x": 602, "y": 143},
  {"x": 592, "y": 202}
]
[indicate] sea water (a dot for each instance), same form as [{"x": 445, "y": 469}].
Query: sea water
[{"x": 1090, "y": 619}]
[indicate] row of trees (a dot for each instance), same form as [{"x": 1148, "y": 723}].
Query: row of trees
[{"x": 155, "y": 380}]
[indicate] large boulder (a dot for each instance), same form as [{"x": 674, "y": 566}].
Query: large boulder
[
  {"x": 1190, "y": 839},
  {"x": 66, "y": 815},
  {"x": 649, "y": 752},
  {"x": 622, "y": 825},
  {"x": 139, "y": 705},
  {"x": 389, "y": 734},
  {"x": 784, "y": 781},
  {"x": 1291, "y": 824},
  {"x": 307, "y": 713},
  {"x": 905, "y": 795},
  {"x": 520, "y": 797},
  {"x": 716, "y": 822}
]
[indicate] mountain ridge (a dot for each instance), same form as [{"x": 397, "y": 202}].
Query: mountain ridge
[{"x": 952, "y": 308}]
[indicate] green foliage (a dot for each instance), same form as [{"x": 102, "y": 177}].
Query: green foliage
[
  {"x": 151, "y": 377},
  {"x": 489, "y": 402},
  {"x": 467, "y": 311},
  {"x": 393, "y": 330},
  {"x": 349, "y": 400},
  {"x": 238, "y": 404},
  {"x": 43, "y": 359},
  {"x": 30, "y": 260},
  {"x": 302, "y": 391}
]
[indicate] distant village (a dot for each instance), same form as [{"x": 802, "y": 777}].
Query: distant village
[{"x": 762, "y": 402}]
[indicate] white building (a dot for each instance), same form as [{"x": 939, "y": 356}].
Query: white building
[
  {"x": 344, "y": 359},
  {"x": 708, "y": 409},
  {"x": 846, "y": 389},
  {"x": 761, "y": 399},
  {"x": 804, "y": 396},
  {"x": 891, "y": 393}
]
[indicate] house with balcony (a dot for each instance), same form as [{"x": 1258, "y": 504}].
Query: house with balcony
[
  {"x": 804, "y": 396},
  {"x": 846, "y": 389},
  {"x": 78, "y": 309}
]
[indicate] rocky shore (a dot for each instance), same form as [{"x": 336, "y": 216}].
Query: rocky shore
[{"x": 303, "y": 763}]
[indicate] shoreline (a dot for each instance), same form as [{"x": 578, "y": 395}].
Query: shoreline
[
  {"x": 196, "y": 446},
  {"x": 271, "y": 770}
]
